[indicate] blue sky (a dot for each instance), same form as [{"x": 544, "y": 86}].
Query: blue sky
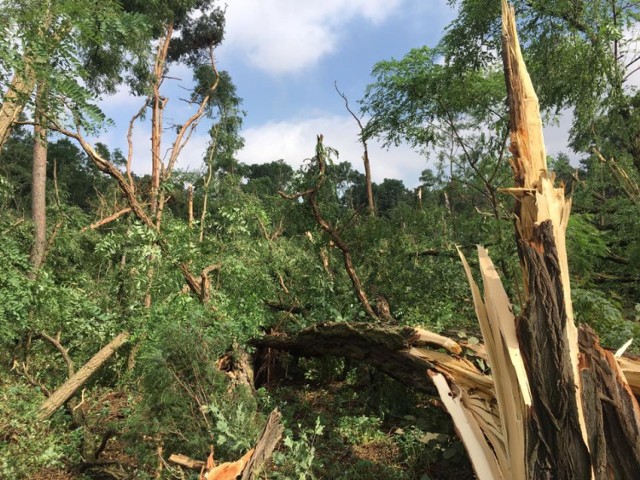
[{"x": 284, "y": 56}]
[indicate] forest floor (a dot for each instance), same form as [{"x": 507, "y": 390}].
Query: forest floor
[{"x": 342, "y": 422}]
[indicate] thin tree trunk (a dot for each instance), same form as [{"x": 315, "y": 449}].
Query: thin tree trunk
[
  {"x": 311, "y": 196},
  {"x": 39, "y": 185},
  {"x": 365, "y": 156},
  {"x": 207, "y": 181},
  {"x": 190, "y": 205},
  {"x": 66, "y": 391},
  {"x": 157, "y": 105}
]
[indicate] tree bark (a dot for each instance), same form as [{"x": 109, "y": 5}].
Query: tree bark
[
  {"x": 14, "y": 100},
  {"x": 190, "y": 205},
  {"x": 611, "y": 411},
  {"x": 157, "y": 106},
  {"x": 39, "y": 185},
  {"x": 66, "y": 391},
  {"x": 556, "y": 447},
  {"x": 266, "y": 444}
]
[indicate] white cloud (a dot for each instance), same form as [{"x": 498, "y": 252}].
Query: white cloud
[
  {"x": 294, "y": 141},
  {"x": 285, "y": 36}
]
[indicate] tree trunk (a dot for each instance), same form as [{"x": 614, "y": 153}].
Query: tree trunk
[
  {"x": 66, "y": 391},
  {"x": 157, "y": 106},
  {"x": 367, "y": 175},
  {"x": 14, "y": 101},
  {"x": 39, "y": 185},
  {"x": 190, "y": 205},
  {"x": 399, "y": 352}
]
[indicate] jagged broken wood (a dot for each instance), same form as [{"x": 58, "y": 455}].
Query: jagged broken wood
[
  {"x": 564, "y": 406},
  {"x": 249, "y": 465},
  {"x": 266, "y": 444}
]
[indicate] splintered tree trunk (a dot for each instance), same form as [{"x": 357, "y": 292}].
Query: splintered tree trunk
[
  {"x": 556, "y": 432},
  {"x": 562, "y": 403}
]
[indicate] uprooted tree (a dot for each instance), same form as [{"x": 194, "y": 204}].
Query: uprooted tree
[{"x": 557, "y": 405}]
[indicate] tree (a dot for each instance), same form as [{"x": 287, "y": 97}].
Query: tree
[
  {"x": 268, "y": 178},
  {"x": 573, "y": 33},
  {"x": 225, "y": 132},
  {"x": 61, "y": 44},
  {"x": 432, "y": 105}
]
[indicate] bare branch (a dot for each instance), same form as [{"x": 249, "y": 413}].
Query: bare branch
[{"x": 106, "y": 220}]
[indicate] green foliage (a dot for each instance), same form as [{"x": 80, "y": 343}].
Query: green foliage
[
  {"x": 187, "y": 400},
  {"x": 604, "y": 314},
  {"x": 412, "y": 99},
  {"x": 27, "y": 446},
  {"x": 586, "y": 247},
  {"x": 298, "y": 460},
  {"x": 358, "y": 430},
  {"x": 15, "y": 289},
  {"x": 275, "y": 268},
  {"x": 234, "y": 427}
]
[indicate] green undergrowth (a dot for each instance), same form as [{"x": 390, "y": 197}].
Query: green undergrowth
[{"x": 362, "y": 426}]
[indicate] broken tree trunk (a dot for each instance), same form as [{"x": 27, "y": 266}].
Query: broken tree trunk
[
  {"x": 66, "y": 391},
  {"x": 251, "y": 463},
  {"x": 372, "y": 344},
  {"x": 266, "y": 444},
  {"x": 557, "y": 405},
  {"x": 400, "y": 352},
  {"x": 546, "y": 418}
]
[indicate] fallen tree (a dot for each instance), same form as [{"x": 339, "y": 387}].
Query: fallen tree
[
  {"x": 556, "y": 405},
  {"x": 406, "y": 353},
  {"x": 69, "y": 388}
]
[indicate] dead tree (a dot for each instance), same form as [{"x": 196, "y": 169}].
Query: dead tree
[{"x": 365, "y": 152}]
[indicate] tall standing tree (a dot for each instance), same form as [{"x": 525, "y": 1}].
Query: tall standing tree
[{"x": 58, "y": 45}]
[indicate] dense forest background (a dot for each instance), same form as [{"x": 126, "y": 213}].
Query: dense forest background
[{"x": 194, "y": 265}]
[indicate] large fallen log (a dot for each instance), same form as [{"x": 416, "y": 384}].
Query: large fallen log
[
  {"x": 396, "y": 351},
  {"x": 403, "y": 354}
]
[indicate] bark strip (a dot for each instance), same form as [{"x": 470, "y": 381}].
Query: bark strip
[
  {"x": 611, "y": 411},
  {"x": 266, "y": 444}
]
